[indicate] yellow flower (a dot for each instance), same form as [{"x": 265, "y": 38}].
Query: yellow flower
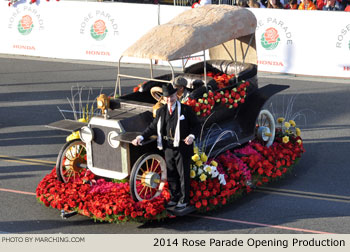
[
  {"x": 74, "y": 135},
  {"x": 204, "y": 157},
  {"x": 280, "y": 119},
  {"x": 195, "y": 150},
  {"x": 298, "y": 131},
  {"x": 203, "y": 177},
  {"x": 192, "y": 173},
  {"x": 207, "y": 169},
  {"x": 214, "y": 163},
  {"x": 199, "y": 163},
  {"x": 287, "y": 125},
  {"x": 285, "y": 139},
  {"x": 299, "y": 141},
  {"x": 195, "y": 158},
  {"x": 292, "y": 123}
]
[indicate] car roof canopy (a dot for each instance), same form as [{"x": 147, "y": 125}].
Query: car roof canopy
[{"x": 192, "y": 31}]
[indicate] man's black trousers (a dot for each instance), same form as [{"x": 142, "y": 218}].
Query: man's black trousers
[{"x": 178, "y": 171}]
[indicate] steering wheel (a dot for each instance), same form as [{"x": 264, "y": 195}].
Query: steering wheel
[{"x": 157, "y": 94}]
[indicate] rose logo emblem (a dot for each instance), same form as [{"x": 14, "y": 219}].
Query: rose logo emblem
[
  {"x": 98, "y": 30},
  {"x": 25, "y": 25},
  {"x": 270, "y": 39}
]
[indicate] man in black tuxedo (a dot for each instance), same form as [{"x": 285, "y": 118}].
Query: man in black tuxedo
[{"x": 176, "y": 126}]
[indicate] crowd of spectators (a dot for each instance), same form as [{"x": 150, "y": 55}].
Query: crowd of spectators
[{"x": 326, "y": 5}]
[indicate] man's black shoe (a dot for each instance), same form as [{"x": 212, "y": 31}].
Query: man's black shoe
[
  {"x": 180, "y": 206},
  {"x": 170, "y": 204}
]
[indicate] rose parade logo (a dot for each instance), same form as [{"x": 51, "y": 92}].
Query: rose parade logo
[
  {"x": 25, "y": 19},
  {"x": 342, "y": 37},
  {"x": 275, "y": 32},
  {"x": 270, "y": 39},
  {"x": 25, "y": 25},
  {"x": 98, "y": 30},
  {"x": 99, "y": 24}
]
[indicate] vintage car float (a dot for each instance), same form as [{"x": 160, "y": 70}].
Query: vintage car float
[{"x": 228, "y": 34}]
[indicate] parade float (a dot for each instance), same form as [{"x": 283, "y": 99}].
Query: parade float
[{"x": 101, "y": 175}]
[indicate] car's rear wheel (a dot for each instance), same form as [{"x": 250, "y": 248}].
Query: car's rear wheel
[
  {"x": 71, "y": 161},
  {"x": 265, "y": 127},
  {"x": 148, "y": 177}
]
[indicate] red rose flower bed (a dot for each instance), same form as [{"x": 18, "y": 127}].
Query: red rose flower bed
[
  {"x": 109, "y": 201},
  {"x": 231, "y": 98}
]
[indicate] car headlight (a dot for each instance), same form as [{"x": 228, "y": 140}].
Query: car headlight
[
  {"x": 112, "y": 139},
  {"x": 102, "y": 102},
  {"x": 86, "y": 134}
]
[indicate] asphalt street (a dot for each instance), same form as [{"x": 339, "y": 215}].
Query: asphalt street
[{"x": 315, "y": 198}]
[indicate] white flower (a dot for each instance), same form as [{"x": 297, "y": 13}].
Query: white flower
[
  {"x": 222, "y": 179},
  {"x": 200, "y": 171},
  {"x": 214, "y": 172},
  {"x": 208, "y": 169}
]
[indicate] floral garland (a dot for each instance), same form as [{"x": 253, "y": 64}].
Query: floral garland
[
  {"x": 214, "y": 183},
  {"x": 230, "y": 98},
  {"x": 204, "y": 105},
  {"x": 221, "y": 79}
]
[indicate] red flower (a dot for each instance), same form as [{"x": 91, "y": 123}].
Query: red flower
[
  {"x": 278, "y": 173},
  {"x": 265, "y": 180},
  {"x": 113, "y": 199}
]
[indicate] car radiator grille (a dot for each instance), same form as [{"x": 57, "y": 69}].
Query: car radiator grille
[{"x": 103, "y": 155}]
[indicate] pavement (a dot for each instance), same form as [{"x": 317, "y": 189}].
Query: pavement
[{"x": 37, "y": 91}]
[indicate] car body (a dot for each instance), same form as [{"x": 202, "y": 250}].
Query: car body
[{"x": 105, "y": 146}]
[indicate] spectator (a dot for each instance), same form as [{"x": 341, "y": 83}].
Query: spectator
[
  {"x": 263, "y": 2},
  {"x": 284, "y": 3},
  {"x": 274, "y": 4},
  {"x": 332, "y": 5},
  {"x": 292, "y": 5},
  {"x": 242, "y": 3},
  {"x": 320, "y": 4},
  {"x": 254, "y": 4},
  {"x": 307, "y": 5},
  {"x": 347, "y": 8}
]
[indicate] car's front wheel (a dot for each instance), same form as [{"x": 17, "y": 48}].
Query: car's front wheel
[
  {"x": 148, "y": 177},
  {"x": 71, "y": 161}
]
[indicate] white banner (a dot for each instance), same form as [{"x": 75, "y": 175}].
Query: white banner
[
  {"x": 303, "y": 42},
  {"x": 288, "y": 41}
]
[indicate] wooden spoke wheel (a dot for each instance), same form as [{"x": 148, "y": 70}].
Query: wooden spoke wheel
[
  {"x": 71, "y": 161},
  {"x": 148, "y": 177},
  {"x": 265, "y": 127}
]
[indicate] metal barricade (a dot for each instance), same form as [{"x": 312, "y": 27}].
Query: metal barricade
[
  {"x": 183, "y": 2},
  {"x": 190, "y": 2},
  {"x": 229, "y": 2}
]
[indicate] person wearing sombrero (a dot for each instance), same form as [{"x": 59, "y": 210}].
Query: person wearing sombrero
[{"x": 176, "y": 127}]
